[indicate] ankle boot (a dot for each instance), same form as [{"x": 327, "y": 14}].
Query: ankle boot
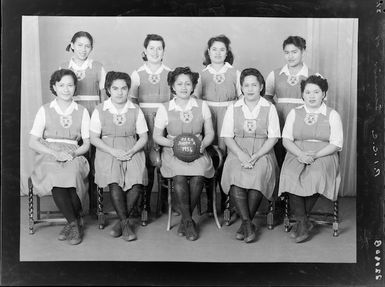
[
  {"x": 303, "y": 231},
  {"x": 116, "y": 230},
  {"x": 74, "y": 236},
  {"x": 127, "y": 233},
  {"x": 64, "y": 232}
]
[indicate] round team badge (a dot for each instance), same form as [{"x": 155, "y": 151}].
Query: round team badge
[
  {"x": 311, "y": 119},
  {"x": 219, "y": 78},
  {"x": 250, "y": 126},
  {"x": 186, "y": 116},
  {"x": 154, "y": 78},
  {"x": 293, "y": 80},
  {"x": 80, "y": 74},
  {"x": 66, "y": 121},
  {"x": 119, "y": 119}
]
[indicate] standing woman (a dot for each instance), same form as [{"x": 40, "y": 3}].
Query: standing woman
[
  {"x": 60, "y": 167},
  {"x": 313, "y": 136},
  {"x": 91, "y": 74},
  {"x": 250, "y": 130},
  {"x": 120, "y": 160},
  {"x": 284, "y": 83},
  {"x": 219, "y": 86},
  {"x": 150, "y": 90},
  {"x": 185, "y": 114}
]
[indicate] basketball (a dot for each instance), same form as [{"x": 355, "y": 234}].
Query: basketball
[{"x": 187, "y": 147}]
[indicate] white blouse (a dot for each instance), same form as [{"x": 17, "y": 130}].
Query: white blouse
[
  {"x": 161, "y": 119},
  {"x": 96, "y": 126},
  {"x": 39, "y": 122},
  {"x": 273, "y": 130},
  {"x": 336, "y": 131}
]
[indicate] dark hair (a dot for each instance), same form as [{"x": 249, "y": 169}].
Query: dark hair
[
  {"x": 224, "y": 40},
  {"x": 111, "y": 76},
  {"x": 79, "y": 35},
  {"x": 58, "y": 75},
  {"x": 152, "y": 37},
  {"x": 257, "y": 74},
  {"x": 316, "y": 80},
  {"x": 172, "y": 75},
  {"x": 297, "y": 41}
]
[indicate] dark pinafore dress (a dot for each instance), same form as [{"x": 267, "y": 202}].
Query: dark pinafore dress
[
  {"x": 185, "y": 122},
  {"x": 311, "y": 132},
  {"x": 118, "y": 131},
  {"x": 250, "y": 135},
  {"x": 61, "y": 133}
]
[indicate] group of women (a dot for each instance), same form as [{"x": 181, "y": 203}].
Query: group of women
[{"x": 133, "y": 118}]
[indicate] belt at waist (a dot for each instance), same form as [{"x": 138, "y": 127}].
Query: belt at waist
[
  {"x": 125, "y": 136},
  {"x": 316, "y": 141},
  {"x": 290, "y": 101},
  {"x": 62, "y": 141},
  {"x": 87, "y": 98},
  {"x": 150, "y": 105},
  {"x": 218, "y": 104},
  {"x": 172, "y": 137}
]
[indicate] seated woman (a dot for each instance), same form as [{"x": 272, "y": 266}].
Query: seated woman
[
  {"x": 313, "y": 137},
  {"x": 250, "y": 129},
  {"x": 60, "y": 166},
  {"x": 119, "y": 158},
  {"x": 184, "y": 114}
]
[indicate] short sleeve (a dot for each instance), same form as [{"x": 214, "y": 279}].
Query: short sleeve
[
  {"x": 198, "y": 88},
  {"x": 289, "y": 123},
  {"x": 228, "y": 123},
  {"x": 336, "y": 130},
  {"x": 161, "y": 118},
  {"x": 39, "y": 123},
  {"x": 270, "y": 83},
  {"x": 273, "y": 130},
  {"x": 135, "y": 83},
  {"x": 206, "y": 111},
  {"x": 85, "y": 127},
  {"x": 102, "y": 79},
  {"x": 238, "y": 84},
  {"x": 95, "y": 124},
  {"x": 141, "y": 125}
]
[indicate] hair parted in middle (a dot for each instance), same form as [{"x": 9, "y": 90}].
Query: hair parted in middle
[
  {"x": 257, "y": 74},
  {"x": 111, "y": 76},
  {"x": 220, "y": 38},
  {"x": 172, "y": 75}
]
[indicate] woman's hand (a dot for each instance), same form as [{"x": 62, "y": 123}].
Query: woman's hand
[
  {"x": 306, "y": 157},
  {"x": 170, "y": 143},
  {"x": 119, "y": 154},
  {"x": 63, "y": 156},
  {"x": 244, "y": 158},
  {"x": 254, "y": 158},
  {"x": 202, "y": 148}
]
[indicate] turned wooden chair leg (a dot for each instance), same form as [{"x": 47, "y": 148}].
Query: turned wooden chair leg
[
  {"x": 30, "y": 207},
  {"x": 227, "y": 212},
  {"x": 335, "y": 218},
  {"x": 159, "y": 199},
  {"x": 144, "y": 215},
  {"x": 270, "y": 216},
  {"x": 286, "y": 220},
  {"x": 101, "y": 215}
]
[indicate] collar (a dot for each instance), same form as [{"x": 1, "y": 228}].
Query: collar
[
  {"x": 87, "y": 64},
  {"x": 144, "y": 67},
  {"x": 303, "y": 72},
  {"x": 108, "y": 105},
  {"x": 73, "y": 106},
  {"x": 320, "y": 110},
  {"x": 191, "y": 103},
  {"x": 262, "y": 102},
  {"x": 221, "y": 71}
]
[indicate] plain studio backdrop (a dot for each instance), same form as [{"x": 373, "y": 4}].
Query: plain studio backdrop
[{"x": 255, "y": 42}]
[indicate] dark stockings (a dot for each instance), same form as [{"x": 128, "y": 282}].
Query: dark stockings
[
  {"x": 63, "y": 200},
  {"x": 245, "y": 201},
  {"x": 187, "y": 194},
  {"x": 310, "y": 202},
  {"x": 123, "y": 202},
  {"x": 302, "y": 205}
]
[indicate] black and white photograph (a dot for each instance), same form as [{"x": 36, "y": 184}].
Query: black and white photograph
[{"x": 154, "y": 143}]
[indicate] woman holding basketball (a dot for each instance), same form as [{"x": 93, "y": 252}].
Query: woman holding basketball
[{"x": 184, "y": 115}]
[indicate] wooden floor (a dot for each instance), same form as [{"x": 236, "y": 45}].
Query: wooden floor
[{"x": 214, "y": 245}]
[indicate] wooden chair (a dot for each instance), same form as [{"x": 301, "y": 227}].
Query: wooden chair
[
  {"x": 322, "y": 218},
  {"x": 169, "y": 185},
  {"x": 42, "y": 216}
]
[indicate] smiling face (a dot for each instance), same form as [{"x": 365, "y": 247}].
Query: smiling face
[
  {"x": 293, "y": 55},
  {"x": 313, "y": 96},
  {"x": 119, "y": 92},
  {"x": 154, "y": 52},
  {"x": 183, "y": 86},
  {"x": 251, "y": 88},
  {"x": 65, "y": 88},
  {"x": 82, "y": 48},
  {"x": 217, "y": 53}
]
